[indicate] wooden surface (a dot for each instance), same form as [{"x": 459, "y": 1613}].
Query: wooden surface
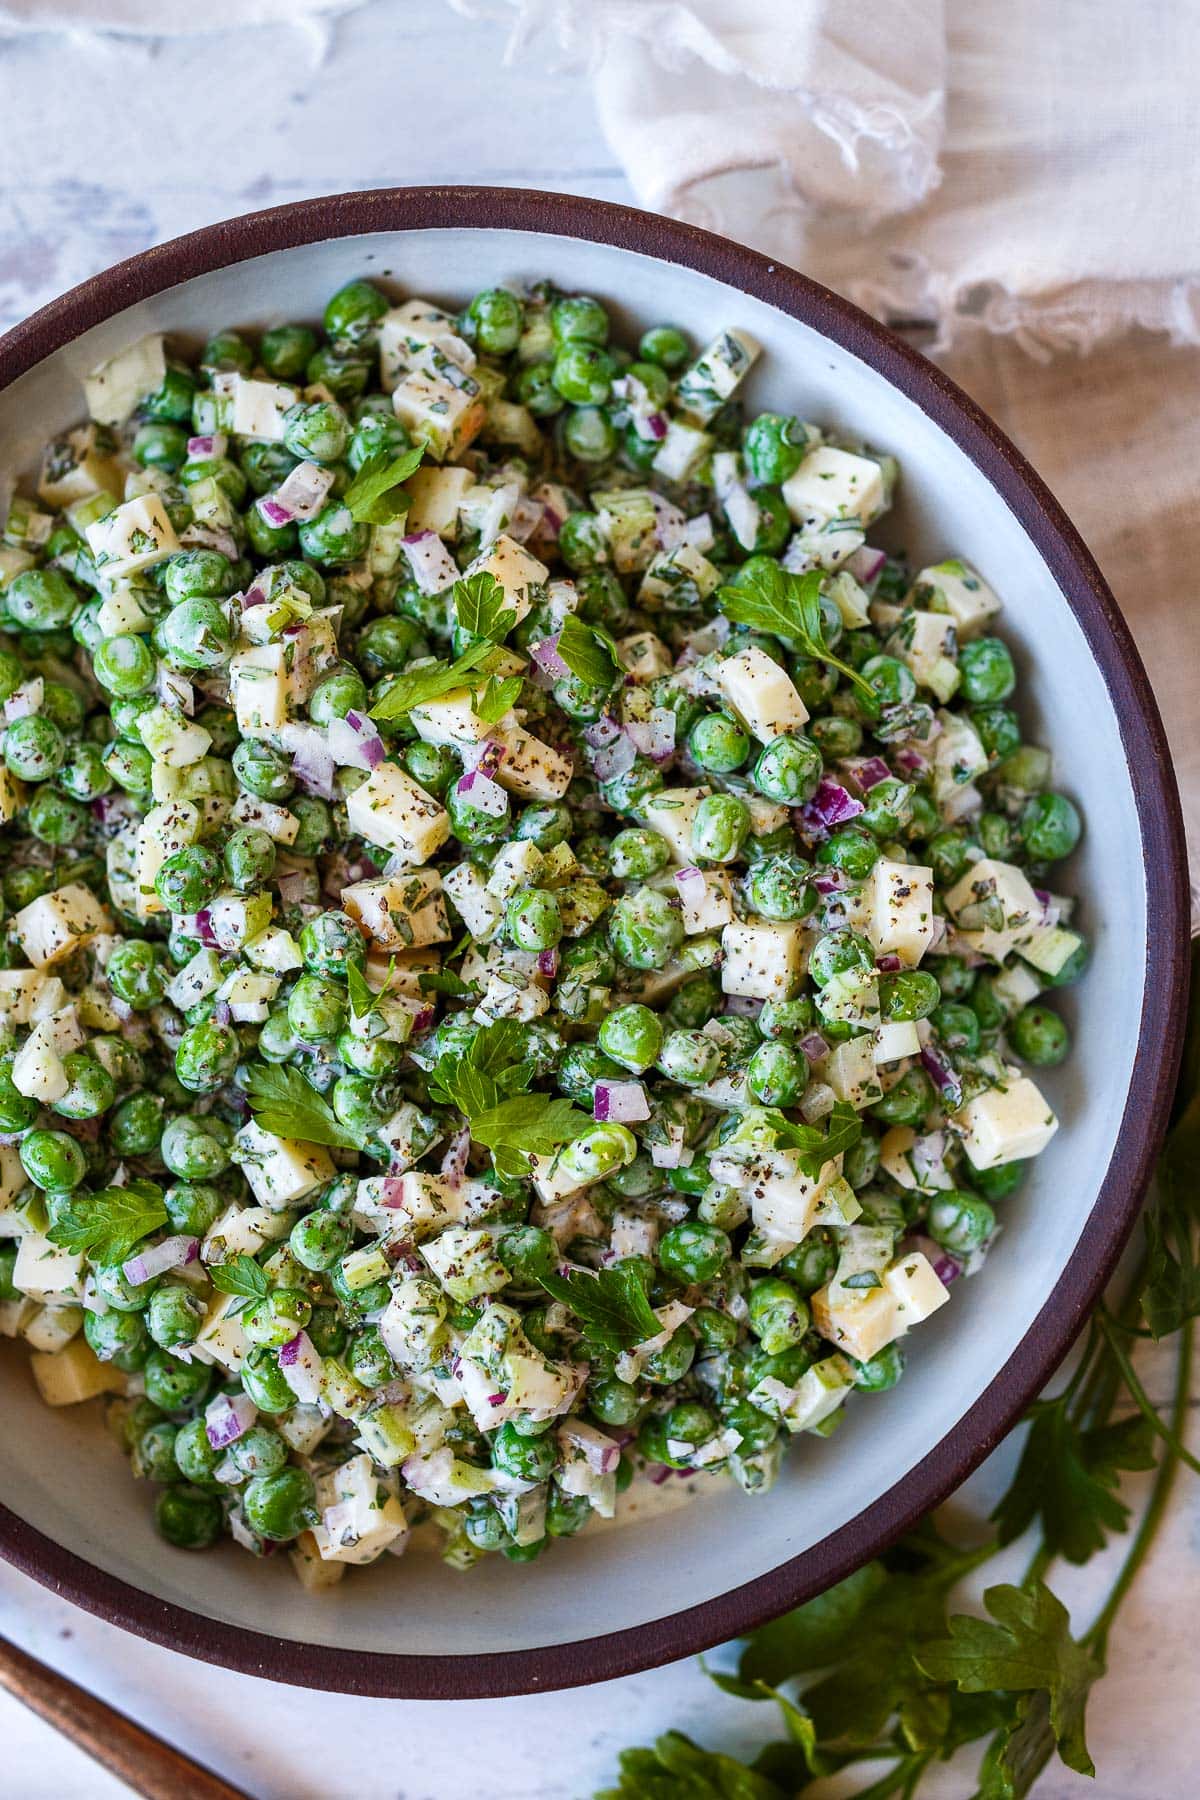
[{"x": 109, "y": 146}]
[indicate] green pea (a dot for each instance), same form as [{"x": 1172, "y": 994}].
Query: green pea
[
  {"x": 160, "y": 446},
  {"x": 331, "y": 942},
  {"x": 583, "y": 1065},
  {"x": 55, "y": 819},
  {"x": 1001, "y": 1181},
  {"x": 665, "y": 346},
  {"x": 959, "y": 1222},
  {"x": 34, "y": 748},
  {"x": 690, "y": 1058},
  {"x": 671, "y": 1363},
  {"x": 315, "y": 821},
  {"x": 282, "y": 1505},
  {"x": 1050, "y": 827},
  {"x": 41, "y": 599},
  {"x": 259, "y": 1451},
  {"x": 135, "y": 1128},
  {"x": 153, "y": 1453},
  {"x": 227, "y": 353},
  {"x": 719, "y": 828},
  {"x": 535, "y": 389},
  {"x": 717, "y": 742},
  {"x": 839, "y": 953},
  {"x": 639, "y": 852},
  {"x": 263, "y": 771},
  {"x": 173, "y": 1384},
  {"x": 117, "y": 1337},
  {"x": 986, "y": 669},
  {"x": 578, "y": 319},
  {"x": 912, "y": 994},
  {"x": 588, "y": 434},
  {"x": 173, "y": 400},
  {"x": 644, "y": 929},
  {"x": 780, "y": 887},
  {"x": 316, "y": 1009},
  {"x": 907, "y": 1101},
  {"x": 1039, "y": 1036},
  {"x": 352, "y": 316},
  {"x": 774, "y": 446},
  {"x": 341, "y": 691},
  {"x": 52, "y": 1159},
  {"x": 850, "y": 849},
  {"x": 249, "y": 858},
  {"x": 777, "y": 1075},
  {"x": 317, "y": 432},
  {"x": 91, "y": 1090},
  {"x": 613, "y": 1402},
  {"x": 879, "y": 1372},
  {"x": 999, "y": 730},
  {"x": 494, "y": 320},
  {"x": 186, "y": 880},
  {"x": 285, "y": 350},
  {"x": 206, "y": 1057},
  {"x": 694, "y": 1251},
  {"x": 174, "y": 1316},
  {"x": 788, "y": 769},
  {"x": 320, "y": 1239},
  {"x": 196, "y": 1149},
  {"x": 533, "y": 919},
  {"x": 264, "y": 1381},
  {"x": 187, "y": 1518}
]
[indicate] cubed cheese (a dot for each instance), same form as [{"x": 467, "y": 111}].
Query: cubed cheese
[
  {"x": 953, "y": 587},
  {"x": 243, "y": 1231},
  {"x": 44, "y": 1271},
  {"x": 249, "y": 996},
  {"x": 435, "y": 496},
  {"x": 705, "y": 899},
  {"x": 479, "y": 910},
  {"x": 391, "y": 810},
  {"x": 849, "y": 1070},
  {"x": 764, "y": 959},
  {"x": 897, "y": 1039},
  {"x": 994, "y": 906},
  {"x": 521, "y": 575},
  {"x": 927, "y": 642},
  {"x": 958, "y": 757},
  {"x": 259, "y": 407},
  {"x": 359, "y": 1518},
  {"x": 672, "y": 813},
  {"x": 834, "y": 484},
  {"x": 761, "y": 693},
  {"x": 278, "y": 823},
  {"x": 12, "y": 795},
  {"x": 916, "y": 1289},
  {"x": 530, "y": 769},
  {"x": 281, "y": 1171},
  {"x": 900, "y": 918},
  {"x": 450, "y": 719},
  {"x": 400, "y": 912},
  {"x": 1050, "y": 948},
  {"x": 518, "y": 865},
  {"x": 77, "y": 466},
  {"x": 678, "y": 579},
  {"x": 644, "y": 656},
  {"x": 419, "y": 334},
  {"x": 703, "y": 389},
  {"x": 274, "y": 950},
  {"x": 55, "y": 924},
  {"x": 444, "y": 417},
  {"x": 74, "y": 1374},
  {"x": 222, "y": 1337},
  {"x": 118, "y": 386},
  {"x": 1006, "y": 1124},
  {"x": 861, "y": 1321},
  {"x": 173, "y": 739},
  {"x": 133, "y": 536},
  {"x": 681, "y": 451},
  {"x": 314, "y": 1574},
  {"x": 258, "y": 683}
]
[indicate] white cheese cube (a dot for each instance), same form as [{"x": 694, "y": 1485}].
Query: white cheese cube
[
  {"x": 672, "y": 812},
  {"x": 705, "y": 899},
  {"x": 122, "y": 615},
  {"x": 464, "y": 1260},
  {"x": 52, "y": 1327},
  {"x": 118, "y": 386},
  {"x": 400, "y": 912},
  {"x": 281, "y": 1171},
  {"x": 274, "y": 950},
  {"x": 958, "y": 757},
  {"x": 678, "y": 578},
  {"x": 249, "y": 996},
  {"x": 12, "y": 796},
  {"x": 927, "y": 642},
  {"x": 953, "y": 587},
  {"x": 703, "y": 389},
  {"x": 899, "y": 906},
  {"x": 530, "y": 769},
  {"x": 644, "y": 656},
  {"x": 449, "y": 719},
  {"x": 258, "y": 683},
  {"x": 314, "y": 1574},
  {"x": 1006, "y": 1124},
  {"x": 259, "y": 408},
  {"x": 764, "y": 959},
  {"x": 849, "y": 1070},
  {"x": 243, "y": 1231},
  {"x": 131, "y": 537},
  {"x": 1050, "y": 947},
  {"x": 834, "y": 484},
  {"x": 70, "y": 1376},
  {"x": 521, "y": 575},
  {"x": 860, "y": 1321},
  {"x": 419, "y": 335},
  {"x": 55, "y": 924},
  {"x": 222, "y": 1338},
  {"x": 916, "y": 1289},
  {"x": 278, "y": 823},
  {"x": 762, "y": 694},
  {"x": 391, "y": 810},
  {"x": 438, "y": 414},
  {"x": 76, "y": 467},
  {"x": 435, "y": 496},
  {"x": 359, "y": 1518},
  {"x": 994, "y": 907},
  {"x": 518, "y": 865},
  {"x": 44, "y": 1271},
  {"x": 479, "y": 910},
  {"x": 681, "y": 451},
  {"x": 172, "y": 739},
  {"x": 895, "y": 1040}
]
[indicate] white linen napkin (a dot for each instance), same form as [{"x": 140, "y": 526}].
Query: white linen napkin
[{"x": 990, "y": 162}]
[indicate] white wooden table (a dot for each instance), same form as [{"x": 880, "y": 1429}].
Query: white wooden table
[{"x": 109, "y": 146}]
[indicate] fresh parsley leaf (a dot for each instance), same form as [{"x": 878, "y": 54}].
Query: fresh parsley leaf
[
  {"x": 415, "y": 687},
  {"x": 1028, "y": 1649},
  {"x": 496, "y": 699},
  {"x": 481, "y": 607},
  {"x": 612, "y": 1306},
  {"x": 105, "y": 1226},
  {"x": 815, "y": 1634},
  {"x": 678, "y": 1769},
  {"x": 240, "y": 1275},
  {"x": 818, "y": 1147},
  {"x": 283, "y": 1102},
  {"x": 524, "y": 1126},
  {"x": 768, "y": 598},
  {"x": 363, "y": 999},
  {"x": 1172, "y": 1291},
  {"x": 1068, "y": 1478},
  {"x": 445, "y": 981},
  {"x": 588, "y": 652},
  {"x": 372, "y": 497}
]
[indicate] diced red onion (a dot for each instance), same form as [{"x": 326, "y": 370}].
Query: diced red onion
[
  {"x": 227, "y": 1417},
  {"x": 887, "y": 964},
  {"x": 274, "y": 511},
  {"x": 942, "y": 1074},
  {"x": 545, "y": 655},
  {"x": 865, "y": 564},
  {"x": 692, "y": 887},
  {"x": 158, "y": 1259},
  {"x": 870, "y": 772},
  {"x": 433, "y": 567},
  {"x": 619, "y": 1102},
  {"x": 354, "y": 742},
  {"x": 210, "y": 537},
  {"x": 615, "y": 759},
  {"x": 742, "y": 1006},
  {"x": 698, "y": 532},
  {"x": 1051, "y": 911},
  {"x": 526, "y": 519},
  {"x": 814, "y": 1046},
  {"x": 253, "y": 596},
  {"x": 301, "y": 493},
  {"x": 547, "y": 962},
  {"x": 602, "y": 731},
  {"x": 214, "y": 445},
  {"x": 454, "y": 1162},
  {"x": 601, "y": 1452},
  {"x": 911, "y": 761},
  {"x": 204, "y": 929},
  {"x": 486, "y": 755},
  {"x": 301, "y": 1368},
  {"x": 669, "y": 523},
  {"x": 313, "y": 765},
  {"x": 830, "y": 806},
  {"x": 829, "y": 881},
  {"x": 483, "y": 793}
]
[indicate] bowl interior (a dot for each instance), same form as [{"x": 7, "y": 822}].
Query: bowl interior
[{"x": 59, "y": 1472}]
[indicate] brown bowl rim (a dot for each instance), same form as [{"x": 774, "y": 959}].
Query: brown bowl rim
[{"x": 1155, "y": 1065}]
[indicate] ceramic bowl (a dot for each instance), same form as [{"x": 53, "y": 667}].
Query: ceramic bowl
[{"x": 666, "y": 1584}]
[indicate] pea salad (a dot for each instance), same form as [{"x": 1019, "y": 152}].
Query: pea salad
[{"x": 526, "y": 933}]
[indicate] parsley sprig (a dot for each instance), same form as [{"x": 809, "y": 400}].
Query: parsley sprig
[
  {"x": 588, "y": 652},
  {"x": 612, "y": 1306},
  {"x": 242, "y": 1276},
  {"x": 767, "y": 598},
  {"x": 283, "y": 1102},
  {"x": 886, "y": 1671},
  {"x": 376, "y": 495},
  {"x": 488, "y": 1082},
  {"x": 482, "y": 609},
  {"x": 106, "y": 1225}
]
